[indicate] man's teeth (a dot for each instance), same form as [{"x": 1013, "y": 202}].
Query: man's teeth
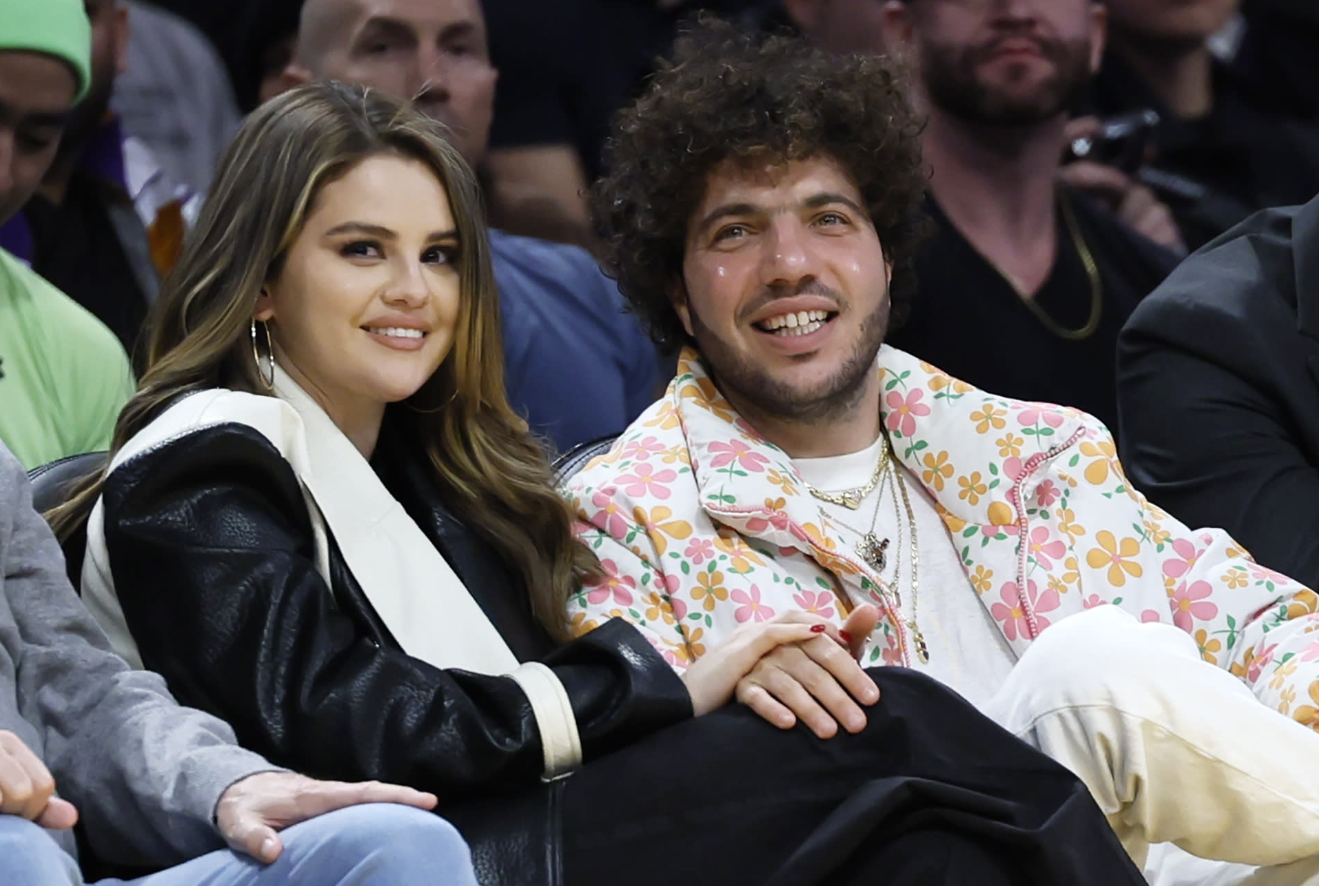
[
  {"x": 396, "y": 332},
  {"x": 800, "y": 323}
]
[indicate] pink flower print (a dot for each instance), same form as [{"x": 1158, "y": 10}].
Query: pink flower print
[
  {"x": 1033, "y": 415},
  {"x": 1013, "y": 469},
  {"x": 1013, "y": 615},
  {"x": 646, "y": 481},
  {"x": 1260, "y": 662},
  {"x": 1187, "y": 555},
  {"x": 994, "y": 530},
  {"x": 613, "y": 585},
  {"x": 1092, "y": 601},
  {"x": 751, "y": 609},
  {"x": 669, "y": 583},
  {"x": 1192, "y": 602},
  {"x": 1047, "y": 493},
  {"x": 699, "y": 550},
  {"x": 610, "y": 516},
  {"x": 903, "y": 411},
  {"x": 1043, "y": 550},
  {"x": 891, "y": 654},
  {"x": 739, "y": 452},
  {"x": 1149, "y": 616},
  {"x": 819, "y": 602},
  {"x": 641, "y": 450},
  {"x": 1311, "y": 652},
  {"x": 678, "y": 606}
]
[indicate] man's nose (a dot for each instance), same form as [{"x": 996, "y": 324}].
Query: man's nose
[
  {"x": 434, "y": 68},
  {"x": 787, "y": 256}
]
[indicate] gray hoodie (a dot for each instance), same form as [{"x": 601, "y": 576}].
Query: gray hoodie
[{"x": 144, "y": 772}]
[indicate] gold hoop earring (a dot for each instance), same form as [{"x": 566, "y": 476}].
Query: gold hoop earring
[
  {"x": 438, "y": 409},
  {"x": 267, "y": 376}
]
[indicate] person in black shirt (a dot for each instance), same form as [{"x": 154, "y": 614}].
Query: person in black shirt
[
  {"x": 1025, "y": 285},
  {"x": 1225, "y": 147}
]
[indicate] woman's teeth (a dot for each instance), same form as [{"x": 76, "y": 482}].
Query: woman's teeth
[{"x": 396, "y": 332}]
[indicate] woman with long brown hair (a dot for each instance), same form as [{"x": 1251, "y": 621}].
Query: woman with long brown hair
[{"x": 322, "y": 522}]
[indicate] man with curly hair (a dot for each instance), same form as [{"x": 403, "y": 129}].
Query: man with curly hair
[{"x": 761, "y": 209}]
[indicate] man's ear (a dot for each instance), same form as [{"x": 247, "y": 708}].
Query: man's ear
[
  {"x": 896, "y": 25},
  {"x": 805, "y": 14},
  {"x": 1099, "y": 28},
  {"x": 678, "y": 297}
]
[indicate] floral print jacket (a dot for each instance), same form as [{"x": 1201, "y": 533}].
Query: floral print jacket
[{"x": 702, "y": 524}]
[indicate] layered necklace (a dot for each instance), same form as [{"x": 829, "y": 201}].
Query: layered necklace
[{"x": 871, "y": 548}]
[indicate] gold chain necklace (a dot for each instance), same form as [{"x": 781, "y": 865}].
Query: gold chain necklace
[
  {"x": 873, "y": 550},
  {"x": 852, "y": 498},
  {"x": 1091, "y": 272}
]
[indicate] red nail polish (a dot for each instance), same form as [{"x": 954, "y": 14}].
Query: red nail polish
[
  {"x": 847, "y": 638},
  {"x": 819, "y": 629}
]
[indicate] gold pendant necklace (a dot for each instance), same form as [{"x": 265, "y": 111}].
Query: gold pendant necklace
[{"x": 852, "y": 498}]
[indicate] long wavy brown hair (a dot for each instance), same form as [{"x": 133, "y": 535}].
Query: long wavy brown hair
[{"x": 485, "y": 461}]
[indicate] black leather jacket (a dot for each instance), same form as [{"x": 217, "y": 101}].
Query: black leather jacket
[{"x": 213, "y": 559}]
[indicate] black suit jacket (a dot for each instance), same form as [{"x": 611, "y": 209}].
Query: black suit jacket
[{"x": 1218, "y": 389}]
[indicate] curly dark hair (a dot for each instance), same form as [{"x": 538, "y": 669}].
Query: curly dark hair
[{"x": 729, "y": 95}]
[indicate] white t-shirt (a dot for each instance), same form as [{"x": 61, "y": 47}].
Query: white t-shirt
[{"x": 967, "y": 650}]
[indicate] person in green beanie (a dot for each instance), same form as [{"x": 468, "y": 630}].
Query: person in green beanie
[{"x": 63, "y": 375}]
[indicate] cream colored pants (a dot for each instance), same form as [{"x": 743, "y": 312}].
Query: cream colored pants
[{"x": 1174, "y": 750}]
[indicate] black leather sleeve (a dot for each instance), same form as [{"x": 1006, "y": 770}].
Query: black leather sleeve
[{"x": 212, "y": 555}]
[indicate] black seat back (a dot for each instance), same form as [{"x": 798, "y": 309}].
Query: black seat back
[{"x": 51, "y": 485}]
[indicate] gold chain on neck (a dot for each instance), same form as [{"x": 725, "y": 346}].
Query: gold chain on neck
[{"x": 1091, "y": 272}]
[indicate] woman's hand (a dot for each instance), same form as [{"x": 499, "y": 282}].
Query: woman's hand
[
  {"x": 817, "y": 681},
  {"x": 787, "y": 668}
]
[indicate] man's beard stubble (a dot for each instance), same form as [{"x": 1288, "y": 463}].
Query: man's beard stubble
[
  {"x": 951, "y": 81},
  {"x": 751, "y": 386}
]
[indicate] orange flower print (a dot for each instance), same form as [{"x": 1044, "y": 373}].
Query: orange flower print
[
  {"x": 675, "y": 654},
  {"x": 579, "y": 624},
  {"x": 939, "y": 381},
  {"x": 1234, "y": 551},
  {"x": 665, "y": 420},
  {"x": 1072, "y": 572},
  {"x": 937, "y": 470},
  {"x": 1308, "y": 715},
  {"x": 1235, "y": 578},
  {"x": 981, "y": 579},
  {"x": 1158, "y": 535},
  {"x": 1009, "y": 445},
  {"x": 972, "y": 488},
  {"x": 658, "y": 525},
  {"x": 676, "y": 455},
  {"x": 1067, "y": 524},
  {"x": 1209, "y": 646},
  {"x": 782, "y": 481},
  {"x": 709, "y": 590},
  {"x": 1303, "y": 602},
  {"x": 741, "y": 557},
  {"x": 1096, "y": 472},
  {"x": 658, "y": 608},
  {"x": 1285, "y": 670},
  {"x": 1286, "y": 698},
  {"x": 703, "y": 393},
  {"x": 954, "y": 524},
  {"x": 1117, "y": 556},
  {"x": 817, "y": 537},
  {"x": 1057, "y": 584},
  {"x": 989, "y": 417},
  {"x": 694, "y": 643}
]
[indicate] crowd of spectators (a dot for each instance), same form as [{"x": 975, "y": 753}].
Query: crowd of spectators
[{"x": 1129, "y": 235}]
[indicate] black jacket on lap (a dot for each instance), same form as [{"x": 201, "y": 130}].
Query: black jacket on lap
[
  {"x": 214, "y": 560},
  {"x": 1219, "y": 389}
]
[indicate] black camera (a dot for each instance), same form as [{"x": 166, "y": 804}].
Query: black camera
[{"x": 1121, "y": 141}]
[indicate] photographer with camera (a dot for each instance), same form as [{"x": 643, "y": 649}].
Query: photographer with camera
[{"x": 1224, "y": 146}]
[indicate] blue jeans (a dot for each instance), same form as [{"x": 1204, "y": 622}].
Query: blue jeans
[{"x": 372, "y": 845}]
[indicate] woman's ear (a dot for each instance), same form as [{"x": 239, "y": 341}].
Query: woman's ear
[{"x": 265, "y": 306}]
